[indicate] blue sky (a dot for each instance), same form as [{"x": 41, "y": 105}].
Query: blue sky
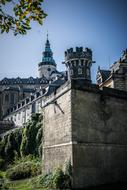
[{"x": 98, "y": 24}]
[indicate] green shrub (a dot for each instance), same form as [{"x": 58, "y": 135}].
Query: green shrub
[
  {"x": 56, "y": 180},
  {"x": 24, "y": 170},
  {"x": 45, "y": 180},
  {"x": 3, "y": 183},
  {"x": 68, "y": 168},
  {"x": 2, "y": 164}
]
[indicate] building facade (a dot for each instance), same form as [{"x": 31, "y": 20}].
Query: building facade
[{"x": 116, "y": 77}]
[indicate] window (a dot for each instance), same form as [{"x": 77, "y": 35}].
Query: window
[
  {"x": 82, "y": 62},
  {"x": 72, "y": 63},
  {"x": 14, "y": 117},
  {"x": 6, "y": 97},
  {"x": 12, "y": 98},
  {"x": 75, "y": 63},
  {"x": 19, "y": 114},
  {"x": 79, "y": 71},
  {"x": 33, "y": 108},
  {"x": 71, "y": 72},
  {"x": 87, "y": 72}
]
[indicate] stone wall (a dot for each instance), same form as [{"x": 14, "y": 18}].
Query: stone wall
[
  {"x": 120, "y": 83},
  {"x": 88, "y": 126},
  {"x": 57, "y": 146},
  {"x": 99, "y": 128}
]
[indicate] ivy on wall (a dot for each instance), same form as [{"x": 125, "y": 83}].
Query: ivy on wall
[{"x": 23, "y": 141}]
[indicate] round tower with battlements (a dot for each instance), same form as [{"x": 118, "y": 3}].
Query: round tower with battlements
[
  {"x": 79, "y": 63},
  {"x": 48, "y": 65}
]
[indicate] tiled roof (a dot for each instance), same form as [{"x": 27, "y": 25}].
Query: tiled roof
[{"x": 18, "y": 80}]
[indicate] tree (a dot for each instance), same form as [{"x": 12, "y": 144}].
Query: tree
[{"x": 23, "y": 12}]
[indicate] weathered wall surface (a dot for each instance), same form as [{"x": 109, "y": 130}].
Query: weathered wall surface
[
  {"x": 120, "y": 83},
  {"x": 99, "y": 128},
  {"x": 57, "y": 147},
  {"x": 88, "y": 126}
]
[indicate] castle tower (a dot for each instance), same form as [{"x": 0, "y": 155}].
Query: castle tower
[
  {"x": 79, "y": 63},
  {"x": 48, "y": 65}
]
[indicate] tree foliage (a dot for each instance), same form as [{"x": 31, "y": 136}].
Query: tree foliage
[{"x": 23, "y": 12}]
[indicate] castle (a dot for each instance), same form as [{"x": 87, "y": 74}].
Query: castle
[
  {"x": 16, "y": 92},
  {"x": 20, "y": 97},
  {"x": 83, "y": 123}
]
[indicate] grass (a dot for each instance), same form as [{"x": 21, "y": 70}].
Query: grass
[{"x": 25, "y": 184}]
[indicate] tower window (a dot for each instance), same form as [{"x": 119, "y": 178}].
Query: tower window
[
  {"x": 80, "y": 63},
  {"x": 86, "y": 63},
  {"x": 77, "y": 62},
  {"x": 87, "y": 72},
  {"x": 71, "y": 72},
  {"x": 49, "y": 69},
  {"x": 79, "y": 71},
  {"x": 72, "y": 63}
]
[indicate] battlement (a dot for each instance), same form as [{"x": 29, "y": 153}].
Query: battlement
[{"x": 79, "y": 52}]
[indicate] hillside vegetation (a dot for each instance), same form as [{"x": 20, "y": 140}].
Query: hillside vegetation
[{"x": 21, "y": 160}]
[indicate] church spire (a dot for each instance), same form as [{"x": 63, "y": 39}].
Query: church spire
[
  {"x": 47, "y": 65},
  {"x": 47, "y": 58}
]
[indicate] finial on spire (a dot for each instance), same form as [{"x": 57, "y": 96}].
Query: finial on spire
[{"x": 47, "y": 35}]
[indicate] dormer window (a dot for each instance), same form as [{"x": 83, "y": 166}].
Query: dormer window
[{"x": 99, "y": 79}]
